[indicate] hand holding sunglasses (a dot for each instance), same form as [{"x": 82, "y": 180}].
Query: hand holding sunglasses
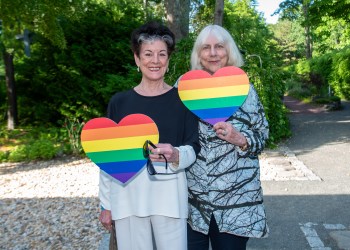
[{"x": 147, "y": 152}]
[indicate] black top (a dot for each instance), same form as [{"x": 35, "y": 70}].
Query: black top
[{"x": 176, "y": 124}]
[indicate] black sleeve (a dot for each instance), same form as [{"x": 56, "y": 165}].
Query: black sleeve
[{"x": 192, "y": 134}]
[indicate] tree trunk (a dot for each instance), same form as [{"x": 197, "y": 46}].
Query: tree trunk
[
  {"x": 308, "y": 40},
  {"x": 177, "y": 12},
  {"x": 308, "y": 43},
  {"x": 12, "y": 118},
  {"x": 219, "y": 12}
]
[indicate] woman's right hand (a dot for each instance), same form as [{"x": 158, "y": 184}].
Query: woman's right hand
[
  {"x": 106, "y": 219},
  {"x": 166, "y": 149}
]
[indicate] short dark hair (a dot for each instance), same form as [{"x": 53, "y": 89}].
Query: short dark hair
[{"x": 152, "y": 31}]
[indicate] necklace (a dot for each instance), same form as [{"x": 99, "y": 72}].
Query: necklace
[{"x": 151, "y": 91}]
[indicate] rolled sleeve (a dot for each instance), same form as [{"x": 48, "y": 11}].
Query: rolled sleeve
[{"x": 187, "y": 156}]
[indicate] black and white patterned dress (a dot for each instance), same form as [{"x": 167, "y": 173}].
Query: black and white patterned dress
[{"x": 225, "y": 181}]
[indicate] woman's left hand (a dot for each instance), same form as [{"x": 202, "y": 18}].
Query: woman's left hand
[
  {"x": 171, "y": 153},
  {"x": 227, "y": 132}
]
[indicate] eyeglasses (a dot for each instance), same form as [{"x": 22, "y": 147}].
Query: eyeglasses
[{"x": 150, "y": 167}]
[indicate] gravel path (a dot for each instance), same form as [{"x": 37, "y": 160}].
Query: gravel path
[
  {"x": 54, "y": 205},
  {"x": 49, "y": 205}
]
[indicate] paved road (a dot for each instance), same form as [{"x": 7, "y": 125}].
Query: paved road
[
  {"x": 312, "y": 214},
  {"x": 306, "y": 183}
]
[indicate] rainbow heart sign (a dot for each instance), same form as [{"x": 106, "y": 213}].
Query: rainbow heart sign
[
  {"x": 214, "y": 98},
  {"x": 117, "y": 148}
]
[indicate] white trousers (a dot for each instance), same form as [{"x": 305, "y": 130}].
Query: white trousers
[{"x": 135, "y": 233}]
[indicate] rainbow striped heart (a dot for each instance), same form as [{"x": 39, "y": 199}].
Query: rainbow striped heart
[
  {"x": 216, "y": 97},
  {"x": 117, "y": 148}
]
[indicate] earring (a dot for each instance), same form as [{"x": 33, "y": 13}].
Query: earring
[
  {"x": 167, "y": 70},
  {"x": 138, "y": 69}
]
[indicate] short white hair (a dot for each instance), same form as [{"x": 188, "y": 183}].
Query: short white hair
[{"x": 234, "y": 55}]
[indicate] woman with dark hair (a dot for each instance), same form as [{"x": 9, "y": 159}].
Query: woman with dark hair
[{"x": 151, "y": 210}]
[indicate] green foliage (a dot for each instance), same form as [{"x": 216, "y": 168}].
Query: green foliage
[
  {"x": 40, "y": 16},
  {"x": 33, "y": 143},
  {"x": 203, "y": 15},
  {"x": 327, "y": 100},
  {"x": 339, "y": 78},
  {"x": 18, "y": 154},
  {"x": 290, "y": 39},
  {"x": 291, "y": 9},
  {"x": 77, "y": 82},
  {"x": 262, "y": 63},
  {"x": 331, "y": 34},
  {"x": 330, "y": 69},
  {"x": 246, "y": 27},
  {"x": 180, "y": 60},
  {"x": 270, "y": 86},
  {"x": 339, "y": 9},
  {"x": 42, "y": 149},
  {"x": 296, "y": 88},
  {"x": 3, "y": 156}
]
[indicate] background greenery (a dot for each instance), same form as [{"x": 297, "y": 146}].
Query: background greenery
[{"x": 61, "y": 86}]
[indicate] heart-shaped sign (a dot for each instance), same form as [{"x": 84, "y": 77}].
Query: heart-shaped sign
[
  {"x": 216, "y": 97},
  {"x": 117, "y": 148}
]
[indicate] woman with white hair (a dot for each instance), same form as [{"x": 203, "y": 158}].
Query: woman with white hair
[{"x": 225, "y": 194}]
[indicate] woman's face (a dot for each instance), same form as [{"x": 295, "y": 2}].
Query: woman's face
[
  {"x": 213, "y": 55},
  {"x": 153, "y": 60}
]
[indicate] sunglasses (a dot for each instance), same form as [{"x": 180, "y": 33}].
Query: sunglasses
[{"x": 150, "y": 167}]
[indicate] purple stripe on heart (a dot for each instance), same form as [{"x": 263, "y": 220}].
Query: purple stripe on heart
[
  {"x": 124, "y": 177},
  {"x": 122, "y": 166}
]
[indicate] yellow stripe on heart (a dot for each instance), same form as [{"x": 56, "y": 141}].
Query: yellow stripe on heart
[
  {"x": 117, "y": 143},
  {"x": 197, "y": 94}
]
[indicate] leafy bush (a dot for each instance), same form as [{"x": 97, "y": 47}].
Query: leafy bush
[
  {"x": 327, "y": 100},
  {"x": 4, "y": 156},
  {"x": 18, "y": 154},
  {"x": 37, "y": 150},
  {"x": 270, "y": 86},
  {"x": 298, "y": 89},
  {"x": 340, "y": 76},
  {"x": 331, "y": 69},
  {"x": 41, "y": 149},
  {"x": 34, "y": 143}
]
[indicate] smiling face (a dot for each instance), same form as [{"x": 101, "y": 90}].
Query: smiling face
[
  {"x": 153, "y": 60},
  {"x": 213, "y": 54}
]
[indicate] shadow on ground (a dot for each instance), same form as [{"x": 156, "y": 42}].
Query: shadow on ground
[
  {"x": 323, "y": 216},
  {"x": 311, "y": 130}
]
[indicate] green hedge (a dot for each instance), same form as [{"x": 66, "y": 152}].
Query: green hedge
[{"x": 331, "y": 69}]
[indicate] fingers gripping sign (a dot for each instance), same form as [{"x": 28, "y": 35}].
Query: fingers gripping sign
[
  {"x": 227, "y": 132},
  {"x": 171, "y": 153}
]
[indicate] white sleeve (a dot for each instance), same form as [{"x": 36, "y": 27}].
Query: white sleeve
[
  {"x": 104, "y": 190},
  {"x": 187, "y": 156}
]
